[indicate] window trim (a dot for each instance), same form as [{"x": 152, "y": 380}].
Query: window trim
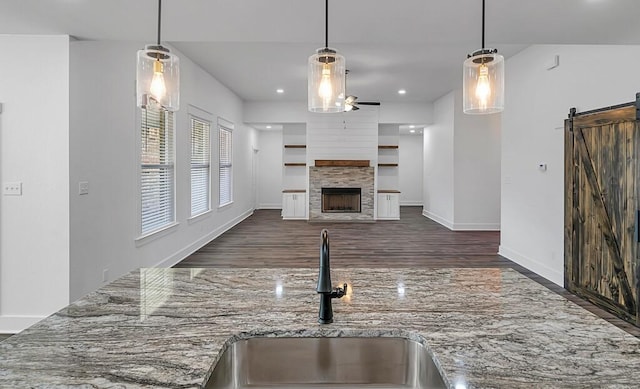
[
  {"x": 199, "y": 117},
  {"x": 143, "y": 238},
  {"x": 224, "y": 125}
]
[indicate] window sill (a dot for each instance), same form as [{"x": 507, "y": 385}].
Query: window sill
[
  {"x": 157, "y": 234},
  {"x": 198, "y": 217},
  {"x": 225, "y": 205}
]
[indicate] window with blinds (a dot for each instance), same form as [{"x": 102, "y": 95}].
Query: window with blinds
[
  {"x": 225, "y": 173},
  {"x": 157, "y": 169},
  {"x": 200, "y": 166}
]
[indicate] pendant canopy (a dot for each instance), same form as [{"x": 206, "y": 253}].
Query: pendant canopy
[
  {"x": 158, "y": 74},
  {"x": 326, "y": 76},
  {"x": 483, "y": 80}
]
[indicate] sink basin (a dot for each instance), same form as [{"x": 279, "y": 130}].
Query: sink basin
[{"x": 381, "y": 363}]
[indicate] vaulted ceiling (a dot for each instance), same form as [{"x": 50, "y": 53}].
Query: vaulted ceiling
[{"x": 257, "y": 46}]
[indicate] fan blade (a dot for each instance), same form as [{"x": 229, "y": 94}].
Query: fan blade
[
  {"x": 355, "y": 108},
  {"x": 368, "y": 103}
]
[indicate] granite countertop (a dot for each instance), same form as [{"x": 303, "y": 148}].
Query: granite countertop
[{"x": 165, "y": 328}]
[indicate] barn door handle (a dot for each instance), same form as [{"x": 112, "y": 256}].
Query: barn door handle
[{"x": 637, "y": 231}]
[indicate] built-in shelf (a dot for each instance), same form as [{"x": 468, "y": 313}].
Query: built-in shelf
[
  {"x": 295, "y": 146},
  {"x": 388, "y": 147},
  {"x": 388, "y": 191},
  {"x": 387, "y": 164},
  {"x": 295, "y": 164},
  {"x": 294, "y": 191}
]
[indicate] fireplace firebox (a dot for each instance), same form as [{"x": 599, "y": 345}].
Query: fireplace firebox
[{"x": 346, "y": 200}]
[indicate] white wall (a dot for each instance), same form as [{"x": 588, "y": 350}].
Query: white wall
[
  {"x": 438, "y": 162},
  {"x": 410, "y": 169},
  {"x": 297, "y": 112},
  {"x": 34, "y": 149},
  {"x": 352, "y": 135},
  {"x": 537, "y": 102},
  {"x": 270, "y": 169},
  {"x": 387, "y": 178},
  {"x": 476, "y": 170},
  {"x": 104, "y": 151},
  {"x": 293, "y": 177}
]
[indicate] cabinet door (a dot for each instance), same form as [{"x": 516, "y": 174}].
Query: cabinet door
[
  {"x": 300, "y": 205},
  {"x": 288, "y": 205},
  {"x": 394, "y": 206},
  {"x": 383, "y": 206}
]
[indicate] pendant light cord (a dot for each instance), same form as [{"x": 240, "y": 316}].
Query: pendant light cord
[
  {"x": 326, "y": 23},
  {"x": 482, "y": 47},
  {"x": 160, "y": 19}
]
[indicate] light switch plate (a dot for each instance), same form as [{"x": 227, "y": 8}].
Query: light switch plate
[
  {"x": 12, "y": 188},
  {"x": 83, "y": 187}
]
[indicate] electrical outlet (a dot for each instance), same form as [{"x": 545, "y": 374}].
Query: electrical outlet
[
  {"x": 105, "y": 275},
  {"x": 83, "y": 187},
  {"x": 12, "y": 188}
]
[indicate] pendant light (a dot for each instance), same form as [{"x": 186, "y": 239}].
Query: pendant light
[
  {"x": 326, "y": 76},
  {"x": 158, "y": 74},
  {"x": 483, "y": 80}
]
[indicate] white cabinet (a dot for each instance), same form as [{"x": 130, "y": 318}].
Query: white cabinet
[
  {"x": 389, "y": 206},
  {"x": 294, "y": 205}
]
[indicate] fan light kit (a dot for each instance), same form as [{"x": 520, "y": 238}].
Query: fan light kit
[
  {"x": 158, "y": 75},
  {"x": 326, "y": 76},
  {"x": 483, "y": 79}
]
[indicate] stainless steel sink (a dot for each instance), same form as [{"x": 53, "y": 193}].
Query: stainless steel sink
[{"x": 381, "y": 363}]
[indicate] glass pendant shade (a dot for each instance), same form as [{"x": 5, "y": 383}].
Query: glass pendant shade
[
  {"x": 326, "y": 81},
  {"x": 483, "y": 82},
  {"x": 158, "y": 77}
]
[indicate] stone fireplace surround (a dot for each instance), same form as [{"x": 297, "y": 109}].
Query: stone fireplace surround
[{"x": 341, "y": 177}]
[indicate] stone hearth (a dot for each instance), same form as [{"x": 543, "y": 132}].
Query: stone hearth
[{"x": 341, "y": 177}]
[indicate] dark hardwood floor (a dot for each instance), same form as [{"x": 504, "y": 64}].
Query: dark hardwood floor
[{"x": 265, "y": 240}]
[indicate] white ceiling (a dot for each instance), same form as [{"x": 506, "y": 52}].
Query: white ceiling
[{"x": 257, "y": 46}]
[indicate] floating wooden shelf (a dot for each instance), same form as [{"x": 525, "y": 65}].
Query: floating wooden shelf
[
  {"x": 388, "y": 191},
  {"x": 342, "y": 162},
  {"x": 295, "y": 164},
  {"x": 295, "y": 146},
  {"x": 387, "y": 164},
  {"x": 294, "y": 191},
  {"x": 388, "y": 147}
]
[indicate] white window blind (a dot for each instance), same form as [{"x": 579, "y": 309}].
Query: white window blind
[
  {"x": 200, "y": 166},
  {"x": 157, "y": 172},
  {"x": 225, "y": 173}
]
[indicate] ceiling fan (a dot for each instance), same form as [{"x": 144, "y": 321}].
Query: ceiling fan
[{"x": 351, "y": 102}]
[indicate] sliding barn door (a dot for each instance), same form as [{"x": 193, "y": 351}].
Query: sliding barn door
[{"x": 601, "y": 208}]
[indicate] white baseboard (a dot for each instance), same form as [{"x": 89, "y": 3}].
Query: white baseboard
[
  {"x": 411, "y": 204},
  {"x": 12, "y": 324},
  {"x": 461, "y": 226},
  {"x": 476, "y": 226},
  {"x": 270, "y": 206},
  {"x": 553, "y": 275},
  {"x": 195, "y": 246},
  {"x": 437, "y": 219}
]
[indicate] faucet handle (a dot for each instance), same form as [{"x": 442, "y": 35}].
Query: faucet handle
[{"x": 339, "y": 292}]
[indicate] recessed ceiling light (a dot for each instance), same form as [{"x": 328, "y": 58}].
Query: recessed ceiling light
[
  {"x": 412, "y": 131},
  {"x": 268, "y": 127},
  {"x": 412, "y": 126},
  {"x": 402, "y": 92},
  {"x": 280, "y": 91}
]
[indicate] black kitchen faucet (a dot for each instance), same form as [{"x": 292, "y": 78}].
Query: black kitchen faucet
[{"x": 327, "y": 292}]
